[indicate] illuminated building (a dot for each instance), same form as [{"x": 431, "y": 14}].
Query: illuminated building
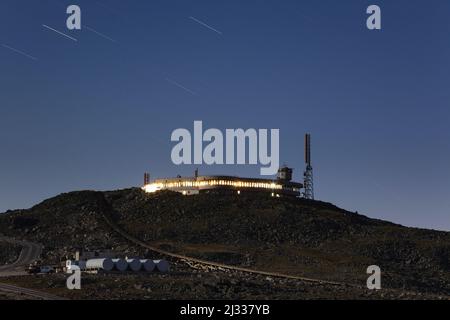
[{"x": 282, "y": 186}]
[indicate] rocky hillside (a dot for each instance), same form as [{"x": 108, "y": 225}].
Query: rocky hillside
[
  {"x": 293, "y": 236},
  {"x": 64, "y": 224},
  {"x": 8, "y": 253}
]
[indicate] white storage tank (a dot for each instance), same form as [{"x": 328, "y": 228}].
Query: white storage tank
[
  {"x": 161, "y": 265},
  {"x": 134, "y": 264},
  {"x": 104, "y": 264},
  {"x": 120, "y": 264},
  {"x": 148, "y": 265}
]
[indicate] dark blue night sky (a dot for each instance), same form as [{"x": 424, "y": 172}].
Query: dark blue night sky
[{"x": 97, "y": 113}]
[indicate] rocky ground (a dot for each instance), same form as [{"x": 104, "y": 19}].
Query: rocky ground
[
  {"x": 292, "y": 236},
  {"x": 8, "y": 253},
  {"x": 10, "y": 296},
  {"x": 184, "y": 283}
]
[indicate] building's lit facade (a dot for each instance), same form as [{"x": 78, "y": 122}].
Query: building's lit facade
[{"x": 195, "y": 185}]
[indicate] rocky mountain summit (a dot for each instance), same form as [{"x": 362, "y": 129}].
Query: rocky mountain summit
[{"x": 291, "y": 236}]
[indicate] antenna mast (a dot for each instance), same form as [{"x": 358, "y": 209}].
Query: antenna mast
[
  {"x": 146, "y": 178},
  {"x": 308, "y": 174}
]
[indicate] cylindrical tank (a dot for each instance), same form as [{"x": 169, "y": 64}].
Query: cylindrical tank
[
  {"x": 161, "y": 265},
  {"x": 120, "y": 264},
  {"x": 134, "y": 264},
  {"x": 148, "y": 265},
  {"x": 105, "y": 264}
]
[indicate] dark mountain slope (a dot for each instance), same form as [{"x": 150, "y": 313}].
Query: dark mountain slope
[
  {"x": 294, "y": 236},
  {"x": 308, "y": 238},
  {"x": 63, "y": 224}
]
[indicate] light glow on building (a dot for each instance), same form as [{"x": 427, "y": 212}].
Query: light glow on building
[
  {"x": 194, "y": 185},
  {"x": 157, "y": 185}
]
